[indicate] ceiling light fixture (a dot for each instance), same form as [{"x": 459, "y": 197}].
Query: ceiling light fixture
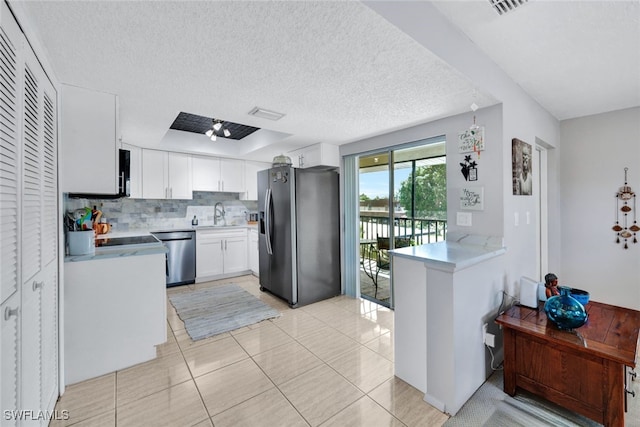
[{"x": 216, "y": 127}]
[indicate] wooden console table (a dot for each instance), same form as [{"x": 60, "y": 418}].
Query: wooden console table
[{"x": 582, "y": 370}]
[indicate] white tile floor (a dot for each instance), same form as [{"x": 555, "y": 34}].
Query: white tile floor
[{"x": 329, "y": 364}]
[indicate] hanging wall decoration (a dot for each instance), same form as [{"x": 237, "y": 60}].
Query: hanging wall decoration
[
  {"x": 624, "y": 198},
  {"x": 472, "y": 139},
  {"x": 472, "y": 198},
  {"x": 469, "y": 169}
]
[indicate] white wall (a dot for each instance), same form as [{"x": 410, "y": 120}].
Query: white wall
[
  {"x": 487, "y": 222},
  {"x": 595, "y": 151},
  {"x": 522, "y": 118}
]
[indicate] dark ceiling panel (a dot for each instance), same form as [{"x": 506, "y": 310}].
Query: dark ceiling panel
[{"x": 199, "y": 124}]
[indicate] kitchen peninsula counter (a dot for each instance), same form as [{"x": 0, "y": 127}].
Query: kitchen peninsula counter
[
  {"x": 460, "y": 252},
  {"x": 115, "y": 310},
  {"x": 443, "y": 294}
]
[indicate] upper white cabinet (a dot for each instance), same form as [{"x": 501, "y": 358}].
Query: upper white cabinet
[
  {"x": 180, "y": 181},
  {"x": 218, "y": 174},
  {"x": 251, "y": 170},
  {"x": 320, "y": 154},
  {"x": 232, "y": 176},
  {"x": 166, "y": 175},
  {"x": 206, "y": 173},
  {"x": 135, "y": 170},
  {"x": 89, "y": 134}
]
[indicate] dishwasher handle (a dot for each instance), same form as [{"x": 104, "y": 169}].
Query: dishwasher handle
[
  {"x": 173, "y": 236},
  {"x": 164, "y": 239}
]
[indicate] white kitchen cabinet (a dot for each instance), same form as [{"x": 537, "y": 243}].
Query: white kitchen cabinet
[
  {"x": 206, "y": 173},
  {"x": 251, "y": 170},
  {"x": 166, "y": 175},
  {"x": 221, "y": 252},
  {"x": 135, "y": 153},
  {"x": 235, "y": 253},
  {"x": 89, "y": 149},
  {"x": 317, "y": 155},
  {"x": 218, "y": 174},
  {"x": 232, "y": 176},
  {"x": 254, "y": 252},
  {"x": 209, "y": 253},
  {"x": 115, "y": 313},
  {"x": 180, "y": 181}
]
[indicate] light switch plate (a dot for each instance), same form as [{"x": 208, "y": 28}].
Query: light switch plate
[{"x": 463, "y": 219}]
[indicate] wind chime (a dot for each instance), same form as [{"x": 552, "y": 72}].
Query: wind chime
[{"x": 623, "y": 230}]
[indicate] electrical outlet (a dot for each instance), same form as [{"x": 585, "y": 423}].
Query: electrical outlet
[
  {"x": 487, "y": 338},
  {"x": 490, "y": 340}
]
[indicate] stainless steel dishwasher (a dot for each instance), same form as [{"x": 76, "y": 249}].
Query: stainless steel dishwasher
[{"x": 181, "y": 257}]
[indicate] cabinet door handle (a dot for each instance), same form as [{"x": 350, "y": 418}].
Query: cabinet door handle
[
  {"x": 225, "y": 245},
  {"x": 37, "y": 285},
  {"x": 8, "y": 312},
  {"x": 221, "y": 247}
]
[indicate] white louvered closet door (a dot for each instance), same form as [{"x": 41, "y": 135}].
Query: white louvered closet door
[
  {"x": 39, "y": 343},
  {"x": 10, "y": 152},
  {"x": 49, "y": 297},
  {"x": 28, "y": 228},
  {"x": 32, "y": 280}
]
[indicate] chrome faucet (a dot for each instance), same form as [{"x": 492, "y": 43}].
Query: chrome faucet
[{"x": 219, "y": 213}]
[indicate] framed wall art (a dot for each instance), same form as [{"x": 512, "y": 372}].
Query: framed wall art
[
  {"x": 521, "y": 157},
  {"x": 471, "y": 140},
  {"x": 472, "y": 198}
]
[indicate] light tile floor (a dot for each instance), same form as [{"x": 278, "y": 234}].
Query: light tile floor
[{"x": 325, "y": 364}]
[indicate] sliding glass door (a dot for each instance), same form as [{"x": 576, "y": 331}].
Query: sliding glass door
[{"x": 402, "y": 202}]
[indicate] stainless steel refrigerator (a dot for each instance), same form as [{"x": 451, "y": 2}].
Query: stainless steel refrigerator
[{"x": 299, "y": 234}]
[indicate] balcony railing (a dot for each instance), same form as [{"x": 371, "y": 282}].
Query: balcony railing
[{"x": 419, "y": 230}]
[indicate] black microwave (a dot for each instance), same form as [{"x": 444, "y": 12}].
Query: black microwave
[{"x": 124, "y": 180}]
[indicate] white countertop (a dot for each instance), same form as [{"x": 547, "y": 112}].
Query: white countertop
[
  {"x": 144, "y": 249},
  {"x": 120, "y": 251},
  {"x": 457, "y": 253}
]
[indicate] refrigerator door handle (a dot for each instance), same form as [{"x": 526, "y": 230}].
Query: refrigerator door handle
[{"x": 268, "y": 201}]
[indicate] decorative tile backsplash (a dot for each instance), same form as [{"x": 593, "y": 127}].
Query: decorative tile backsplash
[{"x": 156, "y": 214}]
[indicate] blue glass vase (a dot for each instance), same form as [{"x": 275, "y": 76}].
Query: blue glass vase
[{"x": 565, "y": 311}]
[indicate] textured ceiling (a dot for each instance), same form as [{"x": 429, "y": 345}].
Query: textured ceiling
[
  {"x": 337, "y": 70},
  {"x": 575, "y": 57}
]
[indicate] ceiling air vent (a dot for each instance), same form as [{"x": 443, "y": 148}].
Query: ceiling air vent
[
  {"x": 265, "y": 114},
  {"x": 504, "y": 6}
]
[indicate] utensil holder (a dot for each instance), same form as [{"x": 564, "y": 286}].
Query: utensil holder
[{"x": 81, "y": 242}]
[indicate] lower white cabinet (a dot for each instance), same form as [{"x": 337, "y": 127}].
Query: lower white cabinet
[
  {"x": 220, "y": 252},
  {"x": 254, "y": 252},
  {"x": 115, "y": 314}
]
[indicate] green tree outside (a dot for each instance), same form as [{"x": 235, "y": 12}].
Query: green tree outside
[{"x": 430, "y": 192}]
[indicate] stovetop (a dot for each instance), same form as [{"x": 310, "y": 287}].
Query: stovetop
[{"x": 126, "y": 241}]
